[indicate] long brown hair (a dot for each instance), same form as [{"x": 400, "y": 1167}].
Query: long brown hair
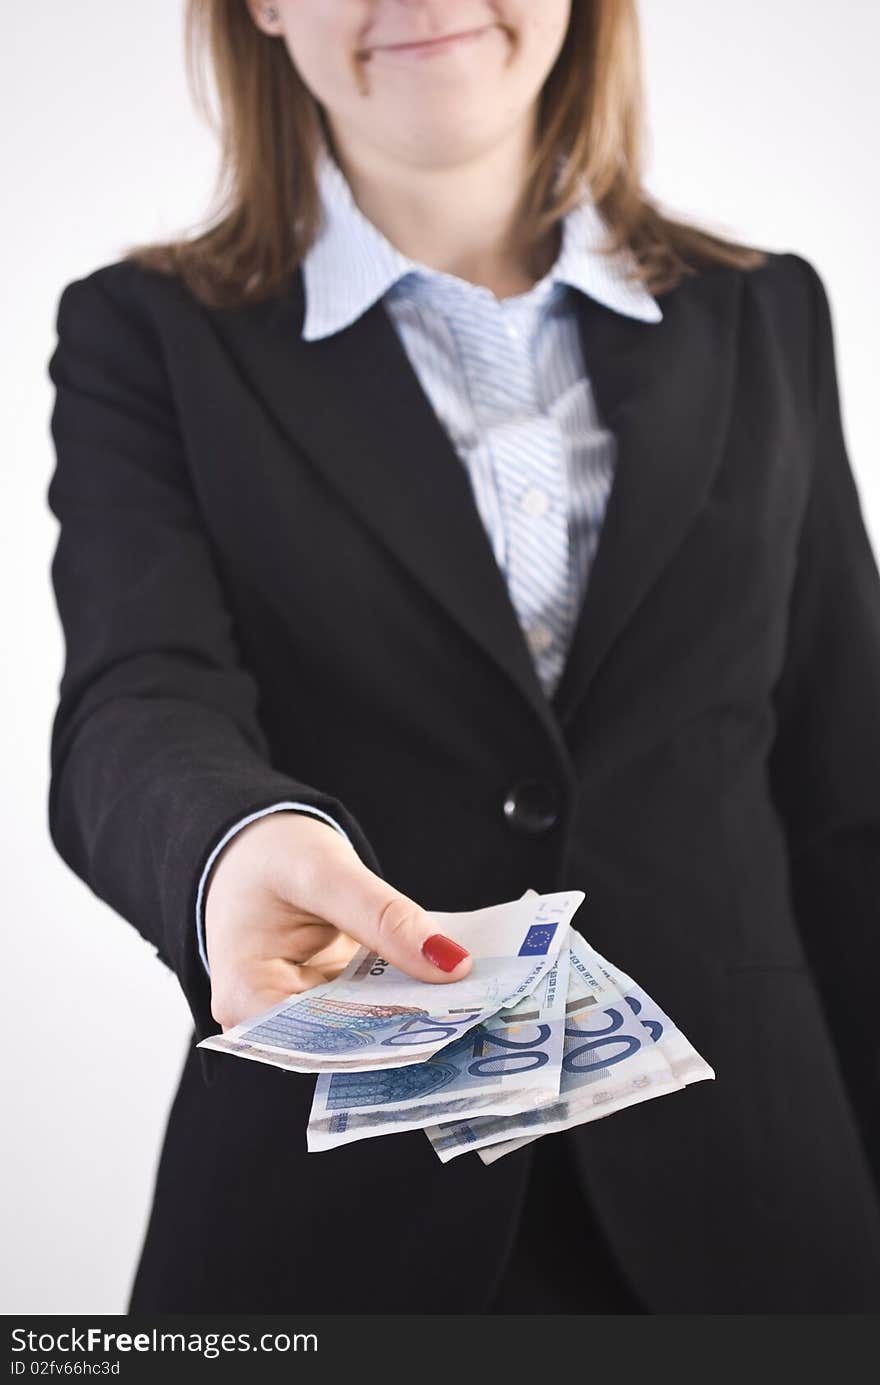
[{"x": 267, "y": 210}]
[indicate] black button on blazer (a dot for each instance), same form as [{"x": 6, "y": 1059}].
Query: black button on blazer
[{"x": 274, "y": 584}]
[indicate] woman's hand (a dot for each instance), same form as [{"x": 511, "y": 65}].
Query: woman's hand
[{"x": 288, "y": 903}]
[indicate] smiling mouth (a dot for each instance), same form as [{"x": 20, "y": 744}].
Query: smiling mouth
[{"x": 428, "y": 47}]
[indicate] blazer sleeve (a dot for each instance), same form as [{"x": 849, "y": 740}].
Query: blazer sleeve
[
  {"x": 825, "y": 761},
  {"x": 156, "y": 744}
]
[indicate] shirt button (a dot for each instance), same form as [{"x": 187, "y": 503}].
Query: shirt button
[
  {"x": 539, "y": 638},
  {"x": 535, "y": 502}
]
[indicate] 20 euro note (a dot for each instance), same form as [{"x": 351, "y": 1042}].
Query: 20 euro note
[
  {"x": 374, "y": 1015},
  {"x": 611, "y": 1059},
  {"x": 685, "y": 1063},
  {"x": 510, "y": 1062}
]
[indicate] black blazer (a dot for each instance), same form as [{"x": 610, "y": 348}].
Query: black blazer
[{"x": 274, "y": 583}]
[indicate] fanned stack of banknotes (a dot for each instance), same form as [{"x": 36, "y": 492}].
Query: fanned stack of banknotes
[{"x": 542, "y": 1035}]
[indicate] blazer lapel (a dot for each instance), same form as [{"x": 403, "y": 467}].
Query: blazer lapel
[
  {"x": 353, "y": 404},
  {"x": 664, "y": 389}
]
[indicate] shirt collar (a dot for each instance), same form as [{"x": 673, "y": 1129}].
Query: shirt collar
[{"x": 350, "y": 264}]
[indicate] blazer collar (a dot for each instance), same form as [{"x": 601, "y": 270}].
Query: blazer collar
[
  {"x": 351, "y": 264},
  {"x": 353, "y": 407}
]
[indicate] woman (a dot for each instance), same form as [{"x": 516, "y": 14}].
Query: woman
[{"x": 344, "y": 646}]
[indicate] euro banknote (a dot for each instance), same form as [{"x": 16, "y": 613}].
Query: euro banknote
[
  {"x": 679, "y": 1052},
  {"x": 588, "y": 1093},
  {"x": 607, "y": 1056},
  {"x": 509, "y": 1062},
  {"x": 374, "y": 1016}
]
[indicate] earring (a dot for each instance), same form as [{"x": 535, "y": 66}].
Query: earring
[{"x": 270, "y": 14}]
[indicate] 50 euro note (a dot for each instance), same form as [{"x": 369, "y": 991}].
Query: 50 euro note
[
  {"x": 510, "y": 1062},
  {"x": 374, "y": 1016},
  {"x": 614, "y": 1056}
]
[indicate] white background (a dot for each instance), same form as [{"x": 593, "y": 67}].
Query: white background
[{"x": 761, "y": 114}]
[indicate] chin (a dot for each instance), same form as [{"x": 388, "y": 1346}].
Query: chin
[{"x": 443, "y": 143}]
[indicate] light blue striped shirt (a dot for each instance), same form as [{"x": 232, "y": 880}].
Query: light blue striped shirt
[{"x": 507, "y": 380}]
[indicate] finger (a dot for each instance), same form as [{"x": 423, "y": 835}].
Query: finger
[
  {"x": 268, "y": 985},
  {"x": 336, "y": 955},
  {"x": 362, "y": 904}
]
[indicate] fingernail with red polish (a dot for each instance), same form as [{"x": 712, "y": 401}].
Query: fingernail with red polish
[{"x": 443, "y": 952}]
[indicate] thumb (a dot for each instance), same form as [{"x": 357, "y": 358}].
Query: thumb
[{"x": 359, "y": 902}]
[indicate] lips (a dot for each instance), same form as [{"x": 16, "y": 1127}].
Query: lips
[{"x": 436, "y": 44}]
